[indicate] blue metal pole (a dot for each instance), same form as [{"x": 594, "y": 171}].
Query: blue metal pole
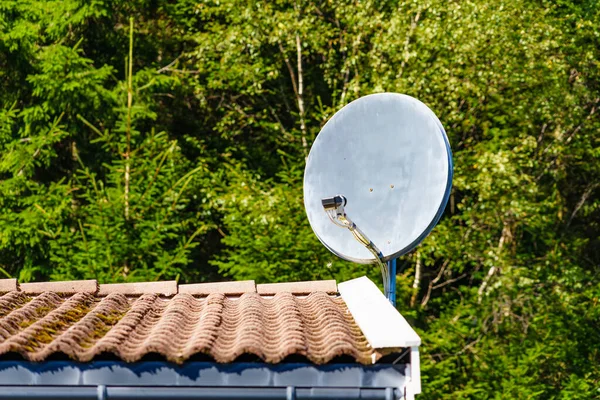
[{"x": 391, "y": 295}]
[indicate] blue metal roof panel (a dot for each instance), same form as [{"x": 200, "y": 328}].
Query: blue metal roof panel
[{"x": 160, "y": 373}]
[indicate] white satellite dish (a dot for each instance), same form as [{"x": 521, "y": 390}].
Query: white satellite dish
[{"x": 381, "y": 167}]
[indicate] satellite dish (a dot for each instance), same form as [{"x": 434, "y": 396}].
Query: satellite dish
[{"x": 382, "y": 164}]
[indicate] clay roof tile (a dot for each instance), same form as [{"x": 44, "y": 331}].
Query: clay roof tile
[
  {"x": 228, "y": 288},
  {"x": 329, "y": 286},
  {"x": 8, "y": 285},
  {"x": 133, "y": 320},
  {"x": 65, "y": 287},
  {"x": 164, "y": 288}
]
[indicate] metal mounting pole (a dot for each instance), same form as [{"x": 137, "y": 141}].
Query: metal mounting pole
[{"x": 391, "y": 293}]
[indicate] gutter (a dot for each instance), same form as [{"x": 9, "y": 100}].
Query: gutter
[{"x": 102, "y": 392}]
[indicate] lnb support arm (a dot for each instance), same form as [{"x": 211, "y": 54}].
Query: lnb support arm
[{"x": 334, "y": 207}]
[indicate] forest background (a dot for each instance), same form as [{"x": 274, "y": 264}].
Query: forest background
[{"x": 183, "y": 159}]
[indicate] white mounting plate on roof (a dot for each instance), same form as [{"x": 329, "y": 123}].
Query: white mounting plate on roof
[{"x": 388, "y": 154}]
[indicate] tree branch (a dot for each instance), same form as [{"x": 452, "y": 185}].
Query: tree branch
[
  {"x": 449, "y": 281},
  {"x": 567, "y": 140},
  {"x": 355, "y": 45},
  {"x": 168, "y": 66},
  {"x": 289, "y": 67},
  {"x": 506, "y": 235},
  {"x": 411, "y": 31},
  {"x": 128, "y": 129},
  {"x": 433, "y": 282},
  {"x": 300, "y": 96},
  {"x": 582, "y": 201},
  {"x": 417, "y": 280},
  {"x": 298, "y": 87},
  {"x": 51, "y": 132}
]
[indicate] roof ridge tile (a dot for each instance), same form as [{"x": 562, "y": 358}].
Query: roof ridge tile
[
  {"x": 170, "y": 288},
  {"x": 66, "y": 287},
  {"x": 164, "y": 288},
  {"x": 227, "y": 288},
  {"x": 305, "y": 287},
  {"x": 8, "y": 285}
]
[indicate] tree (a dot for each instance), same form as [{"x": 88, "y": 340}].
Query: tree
[{"x": 226, "y": 99}]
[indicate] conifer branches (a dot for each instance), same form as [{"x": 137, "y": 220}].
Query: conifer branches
[{"x": 194, "y": 169}]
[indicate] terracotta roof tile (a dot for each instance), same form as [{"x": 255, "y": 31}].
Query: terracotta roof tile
[
  {"x": 84, "y": 325},
  {"x": 230, "y": 288},
  {"x": 165, "y": 288},
  {"x": 65, "y": 287},
  {"x": 297, "y": 287},
  {"x": 7, "y": 285}
]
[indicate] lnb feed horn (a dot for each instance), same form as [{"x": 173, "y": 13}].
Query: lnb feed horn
[{"x": 331, "y": 203}]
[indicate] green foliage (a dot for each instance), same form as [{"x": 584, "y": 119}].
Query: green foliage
[
  {"x": 274, "y": 233},
  {"x": 179, "y": 155}
]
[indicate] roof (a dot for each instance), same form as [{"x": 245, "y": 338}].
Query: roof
[{"x": 221, "y": 321}]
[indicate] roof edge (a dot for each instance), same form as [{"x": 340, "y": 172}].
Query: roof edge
[
  {"x": 380, "y": 322},
  {"x": 198, "y": 373}
]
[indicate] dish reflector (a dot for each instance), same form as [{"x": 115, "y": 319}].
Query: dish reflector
[{"x": 389, "y": 156}]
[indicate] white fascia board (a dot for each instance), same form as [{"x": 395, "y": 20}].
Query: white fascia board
[
  {"x": 412, "y": 372},
  {"x": 415, "y": 366},
  {"x": 380, "y": 322}
]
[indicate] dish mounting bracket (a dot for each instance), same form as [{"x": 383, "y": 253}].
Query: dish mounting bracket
[{"x": 334, "y": 207}]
